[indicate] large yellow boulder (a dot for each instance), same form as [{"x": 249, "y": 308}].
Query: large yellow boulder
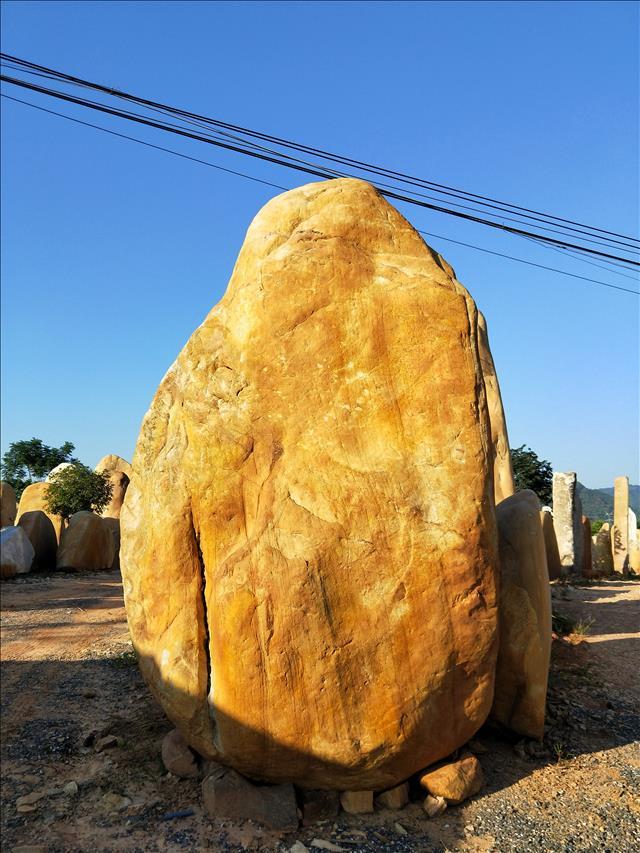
[
  {"x": 525, "y": 617},
  {"x": 42, "y": 535},
  {"x": 34, "y": 499},
  {"x": 308, "y": 539},
  {"x": 87, "y": 544},
  {"x": 8, "y": 508}
]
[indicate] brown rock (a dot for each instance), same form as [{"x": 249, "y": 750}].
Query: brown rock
[
  {"x": 33, "y": 499},
  {"x": 456, "y": 780},
  {"x": 112, "y": 462},
  {"x": 8, "y": 509},
  {"x": 602, "y": 551},
  {"x": 86, "y": 544},
  {"x": 119, "y": 483},
  {"x": 394, "y": 798},
  {"x": 525, "y": 617},
  {"x": 551, "y": 544},
  {"x": 227, "y": 794},
  {"x": 357, "y": 802},
  {"x": 319, "y": 805},
  {"x": 42, "y": 535},
  {"x": 177, "y": 757},
  {"x": 311, "y": 502},
  {"x": 587, "y": 556},
  {"x": 503, "y": 484}
]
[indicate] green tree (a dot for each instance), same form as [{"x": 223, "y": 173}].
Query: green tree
[
  {"x": 596, "y": 526},
  {"x": 76, "y": 489},
  {"x": 529, "y": 472},
  {"x": 26, "y": 462}
]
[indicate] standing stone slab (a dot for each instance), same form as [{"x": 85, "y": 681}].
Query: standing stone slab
[
  {"x": 8, "y": 509},
  {"x": 551, "y": 544},
  {"x": 587, "y": 551},
  {"x": 601, "y": 550},
  {"x": 620, "y": 534},
  {"x": 567, "y": 521}
]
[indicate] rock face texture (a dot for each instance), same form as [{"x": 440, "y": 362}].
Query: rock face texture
[
  {"x": 567, "y": 521},
  {"x": 554, "y": 566},
  {"x": 33, "y": 499},
  {"x": 620, "y": 530},
  {"x": 112, "y": 462},
  {"x": 86, "y": 544},
  {"x": 119, "y": 485},
  {"x": 16, "y": 552},
  {"x": 503, "y": 485},
  {"x": 8, "y": 509},
  {"x": 308, "y": 538},
  {"x": 42, "y": 535},
  {"x": 525, "y": 617},
  {"x": 602, "y": 551}
]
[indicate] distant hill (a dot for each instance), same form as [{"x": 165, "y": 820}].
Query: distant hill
[{"x": 598, "y": 503}]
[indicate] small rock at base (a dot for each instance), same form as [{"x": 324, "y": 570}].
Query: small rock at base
[
  {"x": 394, "y": 798},
  {"x": 107, "y": 742},
  {"x": 399, "y": 829},
  {"x": 321, "y": 844},
  {"x": 227, "y": 794},
  {"x": 318, "y": 804},
  {"x": 434, "y": 806},
  {"x": 357, "y": 802},
  {"x": 177, "y": 757},
  {"x": 454, "y": 780},
  {"x": 298, "y": 847},
  {"x": 71, "y": 789}
]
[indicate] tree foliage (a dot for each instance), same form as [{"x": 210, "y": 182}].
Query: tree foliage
[
  {"x": 78, "y": 488},
  {"x": 596, "y": 526},
  {"x": 529, "y": 472},
  {"x": 26, "y": 462}
]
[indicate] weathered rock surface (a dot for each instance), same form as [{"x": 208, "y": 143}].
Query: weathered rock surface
[
  {"x": 525, "y": 617},
  {"x": 567, "y": 521},
  {"x": 177, "y": 757},
  {"x": 394, "y": 798},
  {"x": 587, "y": 554},
  {"x": 8, "y": 509},
  {"x": 602, "y": 551},
  {"x": 42, "y": 535},
  {"x": 357, "y": 802},
  {"x": 634, "y": 557},
  {"x": 119, "y": 484},
  {"x": 113, "y": 525},
  {"x": 311, "y": 503},
  {"x": 455, "y": 781},
  {"x": 227, "y": 794},
  {"x": 554, "y": 566},
  {"x": 16, "y": 552},
  {"x": 86, "y": 544},
  {"x": 620, "y": 529},
  {"x": 112, "y": 462},
  {"x": 503, "y": 484},
  {"x": 33, "y": 499},
  {"x": 434, "y": 806}
]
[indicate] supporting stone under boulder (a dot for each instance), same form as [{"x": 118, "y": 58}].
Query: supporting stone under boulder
[{"x": 525, "y": 617}]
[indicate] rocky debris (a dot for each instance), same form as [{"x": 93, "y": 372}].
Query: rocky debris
[
  {"x": 255, "y": 479},
  {"x": 42, "y": 535},
  {"x": 319, "y": 804},
  {"x": 177, "y": 757},
  {"x": 456, "y": 781},
  {"x": 227, "y": 794},
  {"x": 357, "y": 802},
  {"x": 16, "y": 552},
  {"x": 34, "y": 498},
  {"x": 86, "y": 544},
  {"x": 394, "y": 798},
  {"x": 522, "y": 669},
  {"x": 434, "y": 806},
  {"x": 503, "y": 484},
  {"x": 8, "y": 508}
]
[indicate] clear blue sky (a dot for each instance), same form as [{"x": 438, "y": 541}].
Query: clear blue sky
[{"x": 113, "y": 253}]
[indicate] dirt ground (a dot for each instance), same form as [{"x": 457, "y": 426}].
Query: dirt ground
[{"x": 69, "y": 677}]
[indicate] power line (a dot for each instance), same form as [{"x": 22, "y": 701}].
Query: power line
[
  {"x": 362, "y": 165},
  {"x": 278, "y": 186},
  {"x": 317, "y": 171}
]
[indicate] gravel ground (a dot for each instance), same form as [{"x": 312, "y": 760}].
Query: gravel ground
[{"x": 69, "y": 677}]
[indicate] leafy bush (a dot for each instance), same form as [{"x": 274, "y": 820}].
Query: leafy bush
[
  {"x": 596, "y": 526},
  {"x": 78, "y": 488}
]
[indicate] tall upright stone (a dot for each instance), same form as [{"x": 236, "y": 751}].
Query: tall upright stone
[
  {"x": 503, "y": 483},
  {"x": 601, "y": 551},
  {"x": 567, "y": 521},
  {"x": 620, "y": 533},
  {"x": 8, "y": 508},
  {"x": 587, "y": 551},
  {"x": 554, "y": 566}
]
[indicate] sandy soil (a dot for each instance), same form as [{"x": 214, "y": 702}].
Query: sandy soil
[{"x": 69, "y": 677}]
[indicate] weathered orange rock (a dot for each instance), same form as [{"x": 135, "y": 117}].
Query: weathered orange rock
[
  {"x": 525, "y": 617},
  {"x": 8, "y": 509},
  {"x": 86, "y": 544},
  {"x": 308, "y": 538},
  {"x": 503, "y": 484},
  {"x": 554, "y": 567},
  {"x": 119, "y": 484},
  {"x": 42, "y": 535},
  {"x": 33, "y": 499},
  {"x": 454, "y": 781},
  {"x": 112, "y": 462}
]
